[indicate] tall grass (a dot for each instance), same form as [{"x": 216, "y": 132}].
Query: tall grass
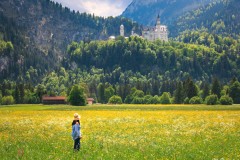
[{"x": 121, "y": 132}]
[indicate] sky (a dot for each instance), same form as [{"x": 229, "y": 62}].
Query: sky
[{"x": 102, "y": 8}]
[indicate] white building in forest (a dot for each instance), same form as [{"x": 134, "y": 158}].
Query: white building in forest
[
  {"x": 158, "y": 32},
  {"x": 122, "y": 30}
]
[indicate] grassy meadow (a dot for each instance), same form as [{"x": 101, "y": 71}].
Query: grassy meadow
[{"x": 121, "y": 132}]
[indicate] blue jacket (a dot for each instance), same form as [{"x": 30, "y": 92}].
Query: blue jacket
[{"x": 76, "y": 133}]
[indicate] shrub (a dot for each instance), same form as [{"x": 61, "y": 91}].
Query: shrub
[
  {"x": 211, "y": 100},
  {"x": 226, "y": 100},
  {"x": 128, "y": 99},
  {"x": 8, "y": 100},
  {"x": 155, "y": 100},
  {"x": 186, "y": 100},
  {"x": 115, "y": 100},
  {"x": 31, "y": 99},
  {"x": 77, "y": 96},
  {"x": 138, "y": 93},
  {"x": 137, "y": 100},
  {"x": 147, "y": 99},
  {"x": 196, "y": 100},
  {"x": 165, "y": 98}
]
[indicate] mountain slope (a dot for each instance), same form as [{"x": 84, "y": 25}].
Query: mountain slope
[
  {"x": 40, "y": 31},
  {"x": 221, "y": 17},
  {"x": 146, "y": 11}
]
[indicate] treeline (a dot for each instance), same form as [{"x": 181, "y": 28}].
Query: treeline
[
  {"x": 208, "y": 55},
  {"x": 116, "y": 67},
  {"x": 134, "y": 91}
]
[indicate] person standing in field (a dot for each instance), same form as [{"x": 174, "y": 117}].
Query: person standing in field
[{"x": 76, "y": 132}]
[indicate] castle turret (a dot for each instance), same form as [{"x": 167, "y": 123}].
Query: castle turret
[
  {"x": 158, "y": 21},
  {"x": 122, "y": 30}
]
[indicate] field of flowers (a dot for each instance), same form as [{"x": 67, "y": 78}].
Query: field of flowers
[{"x": 121, "y": 132}]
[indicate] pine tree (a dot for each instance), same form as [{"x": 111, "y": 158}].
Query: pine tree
[
  {"x": 100, "y": 93},
  {"x": 178, "y": 94},
  {"x": 216, "y": 87},
  {"x": 17, "y": 95},
  {"x": 206, "y": 90},
  {"x": 235, "y": 92},
  {"x": 190, "y": 89},
  {"x": 21, "y": 92}
]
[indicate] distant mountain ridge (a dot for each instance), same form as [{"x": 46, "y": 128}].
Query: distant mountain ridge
[{"x": 146, "y": 11}]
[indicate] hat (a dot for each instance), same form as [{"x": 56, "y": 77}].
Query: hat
[{"x": 77, "y": 116}]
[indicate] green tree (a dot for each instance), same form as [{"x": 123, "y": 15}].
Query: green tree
[
  {"x": 138, "y": 100},
  {"x": 226, "y": 100},
  {"x": 86, "y": 89},
  {"x": 109, "y": 92},
  {"x": 196, "y": 100},
  {"x": 7, "y": 100},
  {"x": 147, "y": 99},
  {"x": 40, "y": 90},
  {"x": 21, "y": 92},
  {"x": 211, "y": 99},
  {"x": 100, "y": 93},
  {"x": 155, "y": 100},
  {"x": 31, "y": 98},
  {"x": 17, "y": 94},
  {"x": 179, "y": 94},
  {"x": 235, "y": 92},
  {"x": 216, "y": 87},
  {"x": 165, "y": 98},
  {"x": 76, "y": 96},
  {"x": 138, "y": 93},
  {"x": 115, "y": 100},
  {"x": 206, "y": 90},
  {"x": 190, "y": 89},
  {"x": 186, "y": 100}
]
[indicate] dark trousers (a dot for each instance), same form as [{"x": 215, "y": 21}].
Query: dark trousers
[{"x": 77, "y": 144}]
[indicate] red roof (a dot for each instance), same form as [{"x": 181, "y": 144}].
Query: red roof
[
  {"x": 90, "y": 99},
  {"x": 53, "y": 98}
]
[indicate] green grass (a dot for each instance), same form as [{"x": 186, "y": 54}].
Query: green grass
[
  {"x": 121, "y": 132},
  {"x": 30, "y": 107}
]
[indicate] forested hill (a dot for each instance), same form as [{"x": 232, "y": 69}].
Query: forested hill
[
  {"x": 166, "y": 61},
  {"x": 40, "y": 31},
  {"x": 218, "y": 17},
  {"x": 215, "y": 16}
]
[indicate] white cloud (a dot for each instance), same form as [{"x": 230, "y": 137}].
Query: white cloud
[{"x": 98, "y": 7}]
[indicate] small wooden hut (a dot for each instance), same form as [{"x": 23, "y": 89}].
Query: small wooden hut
[{"x": 54, "y": 100}]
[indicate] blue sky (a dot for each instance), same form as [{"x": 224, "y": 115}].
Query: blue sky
[{"x": 103, "y": 8}]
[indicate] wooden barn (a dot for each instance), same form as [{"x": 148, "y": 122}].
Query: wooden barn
[{"x": 54, "y": 100}]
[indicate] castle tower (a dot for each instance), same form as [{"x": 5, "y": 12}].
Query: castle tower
[
  {"x": 158, "y": 23},
  {"x": 122, "y": 30}
]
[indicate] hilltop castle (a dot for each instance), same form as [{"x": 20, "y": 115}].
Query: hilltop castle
[{"x": 158, "y": 32}]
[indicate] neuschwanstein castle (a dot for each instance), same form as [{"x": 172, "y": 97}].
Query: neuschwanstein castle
[{"x": 159, "y": 32}]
